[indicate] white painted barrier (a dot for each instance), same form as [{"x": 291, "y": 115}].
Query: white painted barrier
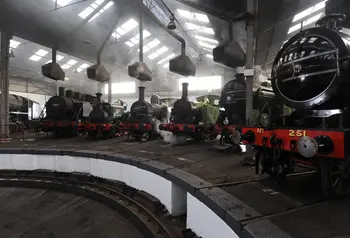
[{"x": 203, "y": 221}]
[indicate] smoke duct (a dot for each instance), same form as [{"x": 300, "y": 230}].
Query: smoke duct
[
  {"x": 139, "y": 69},
  {"x": 230, "y": 54},
  {"x": 53, "y": 70},
  {"x": 181, "y": 64}
]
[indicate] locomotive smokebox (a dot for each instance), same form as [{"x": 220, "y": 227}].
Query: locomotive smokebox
[
  {"x": 184, "y": 90},
  {"x": 61, "y": 91},
  {"x": 141, "y": 93},
  {"x": 98, "y": 96},
  {"x": 69, "y": 93}
]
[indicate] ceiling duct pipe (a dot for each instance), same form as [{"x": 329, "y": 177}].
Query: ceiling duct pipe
[
  {"x": 181, "y": 64},
  {"x": 141, "y": 37},
  {"x": 139, "y": 69},
  {"x": 53, "y": 70},
  {"x": 231, "y": 53},
  {"x": 98, "y": 72}
]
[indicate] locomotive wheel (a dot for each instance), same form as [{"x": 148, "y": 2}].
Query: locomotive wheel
[
  {"x": 112, "y": 132},
  {"x": 335, "y": 177},
  {"x": 266, "y": 164}
]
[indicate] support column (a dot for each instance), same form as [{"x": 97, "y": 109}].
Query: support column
[
  {"x": 249, "y": 73},
  {"x": 109, "y": 91},
  {"x": 4, "y": 108}
]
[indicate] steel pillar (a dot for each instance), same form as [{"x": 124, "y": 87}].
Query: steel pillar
[
  {"x": 109, "y": 91},
  {"x": 4, "y": 85},
  {"x": 249, "y": 72}
]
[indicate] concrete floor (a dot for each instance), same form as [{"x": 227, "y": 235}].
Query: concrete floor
[
  {"x": 35, "y": 213},
  {"x": 329, "y": 220}
]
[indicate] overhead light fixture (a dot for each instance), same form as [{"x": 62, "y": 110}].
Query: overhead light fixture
[{"x": 172, "y": 25}]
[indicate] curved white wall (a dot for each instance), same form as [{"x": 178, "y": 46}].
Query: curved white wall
[{"x": 203, "y": 221}]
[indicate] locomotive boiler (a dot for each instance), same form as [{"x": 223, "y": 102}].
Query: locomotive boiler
[
  {"x": 102, "y": 120},
  {"x": 65, "y": 113},
  {"x": 189, "y": 119},
  {"x": 145, "y": 118},
  {"x": 311, "y": 75},
  {"x": 21, "y": 112},
  {"x": 233, "y": 110}
]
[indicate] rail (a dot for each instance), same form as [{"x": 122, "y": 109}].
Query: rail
[{"x": 97, "y": 189}]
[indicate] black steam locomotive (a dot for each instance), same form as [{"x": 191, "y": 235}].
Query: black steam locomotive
[
  {"x": 22, "y": 110},
  {"x": 102, "y": 120},
  {"x": 311, "y": 74},
  {"x": 66, "y": 113},
  {"x": 233, "y": 110},
  {"x": 193, "y": 120},
  {"x": 145, "y": 118}
]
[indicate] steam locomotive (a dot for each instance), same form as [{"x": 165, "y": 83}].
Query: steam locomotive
[
  {"x": 310, "y": 74},
  {"x": 22, "y": 110},
  {"x": 190, "y": 121},
  {"x": 145, "y": 118},
  {"x": 102, "y": 120},
  {"x": 233, "y": 107},
  {"x": 66, "y": 113}
]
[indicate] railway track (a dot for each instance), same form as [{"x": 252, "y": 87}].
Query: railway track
[{"x": 146, "y": 213}]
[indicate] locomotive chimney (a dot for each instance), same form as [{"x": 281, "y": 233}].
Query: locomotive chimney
[
  {"x": 141, "y": 93},
  {"x": 69, "y": 93},
  {"x": 77, "y": 95},
  {"x": 184, "y": 90},
  {"x": 61, "y": 91},
  {"x": 98, "y": 96}
]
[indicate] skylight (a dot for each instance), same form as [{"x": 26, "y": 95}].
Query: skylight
[
  {"x": 69, "y": 64},
  {"x": 156, "y": 10},
  {"x": 125, "y": 28},
  {"x": 305, "y": 23},
  {"x": 84, "y": 14},
  {"x": 14, "y": 44},
  {"x": 38, "y": 55},
  {"x": 210, "y": 50},
  {"x": 193, "y": 15},
  {"x": 204, "y": 44},
  {"x": 62, "y": 3},
  {"x": 209, "y": 56},
  {"x": 158, "y": 53},
  {"x": 150, "y": 45},
  {"x": 58, "y": 59},
  {"x": 166, "y": 58},
  {"x": 82, "y": 67},
  {"x": 309, "y": 11},
  {"x": 135, "y": 40},
  {"x": 202, "y": 38},
  {"x": 195, "y": 27}
]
